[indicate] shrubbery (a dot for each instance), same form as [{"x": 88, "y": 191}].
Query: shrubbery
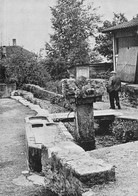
[
  {"x": 23, "y": 68},
  {"x": 125, "y": 130}
]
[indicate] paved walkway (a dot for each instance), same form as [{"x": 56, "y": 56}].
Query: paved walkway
[{"x": 13, "y": 150}]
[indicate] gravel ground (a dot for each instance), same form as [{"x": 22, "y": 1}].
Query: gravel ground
[
  {"x": 125, "y": 159},
  {"x": 52, "y": 108},
  {"x": 13, "y": 158}
]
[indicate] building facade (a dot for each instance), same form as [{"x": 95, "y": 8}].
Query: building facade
[{"x": 125, "y": 50}]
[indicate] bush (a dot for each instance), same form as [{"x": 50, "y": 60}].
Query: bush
[
  {"x": 125, "y": 130},
  {"x": 54, "y": 86},
  {"x": 25, "y": 69}
]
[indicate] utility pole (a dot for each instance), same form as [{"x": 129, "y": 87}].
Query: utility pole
[{"x": 5, "y": 23}]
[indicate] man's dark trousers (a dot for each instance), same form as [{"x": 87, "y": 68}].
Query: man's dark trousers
[{"x": 113, "y": 96}]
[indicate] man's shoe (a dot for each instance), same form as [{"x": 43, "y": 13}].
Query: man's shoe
[{"x": 112, "y": 108}]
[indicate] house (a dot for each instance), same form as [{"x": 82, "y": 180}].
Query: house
[
  {"x": 6, "y": 52},
  {"x": 125, "y": 50}
]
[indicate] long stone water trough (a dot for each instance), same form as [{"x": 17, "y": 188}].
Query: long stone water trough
[{"x": 66, "y": 166}]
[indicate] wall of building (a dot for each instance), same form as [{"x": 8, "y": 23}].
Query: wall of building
[
  {"x": 6, "y": 89},
  {"x": 82, "y": 71},
  {"x": 100, "y": 70},
  {"x": 127, "y": 64},
  {"x": 96, "y": 70},
  {"x": 126, "y": 55}
]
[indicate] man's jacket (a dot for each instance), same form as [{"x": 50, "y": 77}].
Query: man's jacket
[{"x": 114, "y": 84}]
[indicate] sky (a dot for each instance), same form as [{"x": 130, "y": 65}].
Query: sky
[{"x": 28, "y": 21}]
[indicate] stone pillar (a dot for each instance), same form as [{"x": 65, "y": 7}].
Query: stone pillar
[
  {"x": 84, "y": 122},
  {"x": 82, "y": 100}
]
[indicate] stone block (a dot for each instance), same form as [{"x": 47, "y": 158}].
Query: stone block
[
  {"x": 41, "y": 130},
  {"x": 42, "y": 112},
  {"x": 69, "y": 171},
  {"x": 33, "y": 150},
  {"x": 65, "y": 131},
  {"x": 88, "y": 193},
  {"x": 66, "y": 166}
]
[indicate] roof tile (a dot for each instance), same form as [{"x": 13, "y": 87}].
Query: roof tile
[{"x": 131, "y": 23}]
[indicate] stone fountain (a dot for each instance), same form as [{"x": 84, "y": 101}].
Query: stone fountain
[{"x": 81, "y": 100}]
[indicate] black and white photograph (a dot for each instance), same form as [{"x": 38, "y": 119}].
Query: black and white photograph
[{"x": 68, "y": 98}]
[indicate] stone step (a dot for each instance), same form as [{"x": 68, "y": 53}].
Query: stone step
[{"x": 98, "y": 114}]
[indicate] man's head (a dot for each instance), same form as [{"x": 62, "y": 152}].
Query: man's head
[
  {"x": 89, "y": 81},
  {"x": 113, "y": 73},
  {"x": 72, "y": 76}
]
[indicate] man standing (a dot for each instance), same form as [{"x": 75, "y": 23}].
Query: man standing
[{"x": 113, "y": 88}]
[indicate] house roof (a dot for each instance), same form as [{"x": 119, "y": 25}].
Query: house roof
[
  {"x": 10, "y": 50},
  {"x": 129, "y": 24}
]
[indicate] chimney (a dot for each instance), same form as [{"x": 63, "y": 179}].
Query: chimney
[
  {"x": 3, "y": 52},
  {"x": 14, "y": 42}
]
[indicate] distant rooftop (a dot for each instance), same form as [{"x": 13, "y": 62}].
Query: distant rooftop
[
  {"x": 132, "y": 23},
  {"x": 10, "y": 50}
]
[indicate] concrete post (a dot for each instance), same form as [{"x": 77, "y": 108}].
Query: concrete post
[{"x": 114, "y": 53}]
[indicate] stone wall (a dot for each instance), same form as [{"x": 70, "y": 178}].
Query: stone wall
[
  {"x": 100, "y": 70},
  {"x": 129, "y": 94},
  {"x": 70, "y": 171},
  {"x": 41, "y": 92},
  {"x": 6, "y": 89},
  {"x": 60, "y": 177}
]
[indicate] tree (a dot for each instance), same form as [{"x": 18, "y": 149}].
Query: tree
[
  {"x": 2, "y": 72},
  {"x": 104, "y": 43},
  {"x": 135, "y": 17},
  {"x": 25, "y": 68},
  {"x": 73, "y": 23}
]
